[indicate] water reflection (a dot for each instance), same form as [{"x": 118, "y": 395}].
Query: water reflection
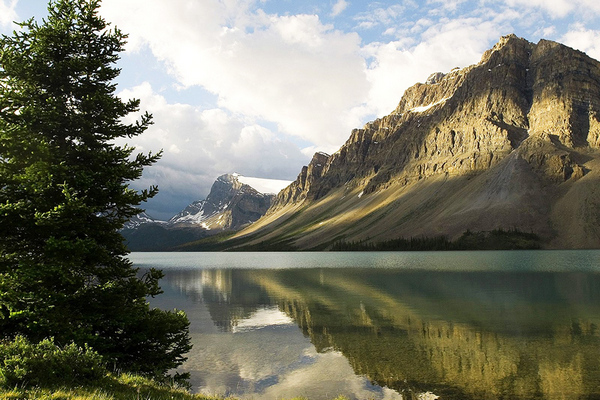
[{"x": 418, "y": 334}]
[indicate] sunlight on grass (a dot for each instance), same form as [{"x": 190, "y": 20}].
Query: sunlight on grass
[{"x": 124, "y": 387}]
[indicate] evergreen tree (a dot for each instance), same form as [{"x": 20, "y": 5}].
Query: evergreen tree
[{"x": 64, "y": 195}]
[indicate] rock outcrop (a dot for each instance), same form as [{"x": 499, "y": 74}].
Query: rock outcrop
[
  {"x": 505, "y": 139},
  {"x": 300, "y": 189}
]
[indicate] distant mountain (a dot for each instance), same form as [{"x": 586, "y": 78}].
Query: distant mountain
[
  {"x": 230, "y": 205},
  {"x": 141, "y": 219},
  {"x": 512, "y": 142}
]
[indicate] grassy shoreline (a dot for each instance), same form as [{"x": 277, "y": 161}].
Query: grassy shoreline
[
  {"x": 124, "y": 386},
  {"x": 112, "y": 387}
]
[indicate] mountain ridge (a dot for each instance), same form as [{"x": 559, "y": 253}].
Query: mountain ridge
[{"x": 510, "y": 142}]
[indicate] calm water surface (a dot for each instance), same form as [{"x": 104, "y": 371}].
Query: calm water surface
[{"x": 418, "y": 325}]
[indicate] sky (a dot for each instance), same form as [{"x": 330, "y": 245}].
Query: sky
[{"x": 256, "y": 87}]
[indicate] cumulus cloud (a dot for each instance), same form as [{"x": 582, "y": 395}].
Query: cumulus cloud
[
  {"x": 339, "y": 7},
  {"x": 312, "y": 81},
  {"x": 292, "y": 70},
  {"x": 199, "y": 145},
  {"x": 8, "y": 13},
  {"x": 583, "y": 39}
]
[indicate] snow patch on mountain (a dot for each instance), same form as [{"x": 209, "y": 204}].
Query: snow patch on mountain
[
  {"x": 141, "y": 219},
  {"x": 263, "y": 185},
  {"x": 427, "y": 107}
]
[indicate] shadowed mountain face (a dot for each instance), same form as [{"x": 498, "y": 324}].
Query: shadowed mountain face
[
  {"x": 458, "y": 335},
  {"x": 511, "y": 142}
]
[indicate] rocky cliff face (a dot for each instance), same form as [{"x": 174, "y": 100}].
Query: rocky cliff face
[
  {"x": 300, "y": 189},
  {"x": 469, "y": 119},
  {"x": 514, "y": 131}
]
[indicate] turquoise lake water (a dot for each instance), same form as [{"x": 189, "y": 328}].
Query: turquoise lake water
[{"x": 389, "y": 325}]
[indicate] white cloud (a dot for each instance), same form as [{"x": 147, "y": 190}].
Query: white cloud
[
  {"x": 559, "y": 8},
  {"x": 586, "y": 40},
  {"x": 447, "y": 5},
  {"x": 174, "y": 149},
  {"x": 556, "y": 8},
  {"x": 339, "y": 7},
  {"x": 380, "y": 16},
  {"x": 548, "y": 32},
  {"x": 310, "y": 80},
  {"x": 445, "y": 45},
  {"x": 421, "y": 25},
  {"x": 200, "y": 145},
  {"x": 292, "y": 70},
  {"x": 7, "y": 12},
  {"x": 313, "y": 81}
]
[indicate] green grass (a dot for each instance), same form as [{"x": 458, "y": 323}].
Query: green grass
[
  {"x": 111, "y": 387},
  {"x": 123, "y": 387}
]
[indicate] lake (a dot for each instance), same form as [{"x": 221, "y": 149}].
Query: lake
[{"x": 390, "y": 325}]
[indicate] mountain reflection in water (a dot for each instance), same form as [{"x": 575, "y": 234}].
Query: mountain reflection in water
[{"x": 456, "y": 335}]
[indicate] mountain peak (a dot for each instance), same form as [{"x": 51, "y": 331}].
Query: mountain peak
[
  {"x": 227, "y": 180},
  {"x": 503, "y": 143},
  {"x": 233, "y": 177},
  {"x": 511, "y": 41}
]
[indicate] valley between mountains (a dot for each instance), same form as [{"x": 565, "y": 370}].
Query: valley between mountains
[{"x": 511, "y": 143}]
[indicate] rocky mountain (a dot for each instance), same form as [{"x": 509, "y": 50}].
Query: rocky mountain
[
  {"x": 509, "y": 143},
  {"x": 229, "y": 206}
]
